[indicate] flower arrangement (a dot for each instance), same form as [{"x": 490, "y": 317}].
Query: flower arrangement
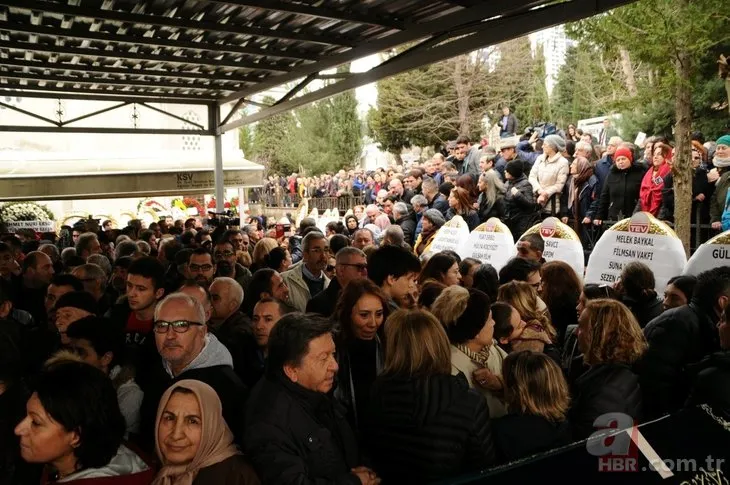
[
  {"x": 25, "y": 211},
  {"x": 153, "y": 205},
  {"x": 189, "y": 203},
  {"x": 212, "y": 204}
]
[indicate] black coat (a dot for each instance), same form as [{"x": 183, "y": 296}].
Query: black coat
[
  {"x": 325, "y": 301},
  {"x": 521, "y": 435},
  {"x": 422, "y": 430},
  {"x": 677, "y": 338},
  {"x": 520, "y": 208},
  {"x": 644, "y": 310},
  {"x": 712, "y": 382},
  {"x": 471, "y": 218},
  {"x": 700, "y": 185},
  {"x": 620, "y": 193},
  {"x": 294, "y": 435},
  {"x": 440, "y": 203},
  {"x": 487, "y": 211},
  {"x": 587, "y": 196},
  {"x": 408, "y": 224},
  {"x": 604, "y": 388}
]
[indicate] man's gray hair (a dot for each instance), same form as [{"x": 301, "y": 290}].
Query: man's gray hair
[
  {"x": 93, "y": 271},
  {"x": 67, "y": 254},
  {"x": 584, "y": 146},
  {"x": 615, "y": 140},
  {"x": 429, "y": 185},
  {"x": 346, "y": 253},
  {"x": 125, "y": 248},
  {"x": 101, "y": 261},
  {"x": 145, "y": 247},
  {"x": 419, "y": 200},
  {"x": 51, "y": 251},
  {"x": 393, "y": 234},
  {"x": 84, "y": 242},
  {"x": 183, "y": 300},
  {"x": 310, "y": 238},
  {"x": 401, "y": 208},
  {"x": 235, "y": 291}
]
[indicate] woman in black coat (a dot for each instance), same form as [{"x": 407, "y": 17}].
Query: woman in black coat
[
  {"x": 620, "y": 189},
  {"x": 519, "y": 201},
  {"x": 611, "y": 342},
  {"x": 424, "y": 424},
  {"x": 361, "y": 310},
  {"x": 491, "y": 196},
  {"x": 636, "y": 291},
  {"x": 578, "y": 196},
  {"x": 537, "y": 399},
  {"x": 712, "y": 374}
]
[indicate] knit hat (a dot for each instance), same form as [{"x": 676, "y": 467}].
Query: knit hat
[
  {"x": 435, "y": 217},
  {"x": 556, "y": 141},
  {"x": 515, "y": 168},
  {"x": 623, "y": 152},
  {"x": 78, "y": 299},
  {"x": 724, "y": 140}
]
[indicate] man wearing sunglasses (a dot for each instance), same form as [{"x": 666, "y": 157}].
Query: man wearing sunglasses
[
  {"x": 351, "y": 264},
  {"x": 189, "y": 351},
  {"x": 224, "y": 254}
]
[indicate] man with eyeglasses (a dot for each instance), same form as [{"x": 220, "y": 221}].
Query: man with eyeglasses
[
  {"x": 306, "y": 278},
  {"x": 201, "y": 267},
  {"x": 351, "y": 264},
  {"x": 227, "y": 265},
  {"x": 188, "y": 351}
]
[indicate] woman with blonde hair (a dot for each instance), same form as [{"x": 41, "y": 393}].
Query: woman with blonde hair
[
  {"x": 193, "y": 441},
  {"x": 467, "y": 317},
  {"x": 260, "y": 251},
  {"x": 460, "y": 204},
  {"x": 539, "y": 335},
  {"x": 538, "y": 399},
  {"x": 490, "y": 202},
  {"x": 612, "y": 342},
  {"x": 424, "y": 424}
]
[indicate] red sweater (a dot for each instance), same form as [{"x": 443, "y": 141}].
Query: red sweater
[{"x": 650, "y": 194}]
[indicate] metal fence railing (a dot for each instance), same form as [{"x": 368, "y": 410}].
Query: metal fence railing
[{"x": 342, "y": 203}]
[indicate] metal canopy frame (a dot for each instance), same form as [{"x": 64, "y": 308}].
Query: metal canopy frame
[{"x": 222, "y": 53}]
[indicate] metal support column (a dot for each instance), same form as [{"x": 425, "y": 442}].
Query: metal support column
[{"x": 220, "y": 190}]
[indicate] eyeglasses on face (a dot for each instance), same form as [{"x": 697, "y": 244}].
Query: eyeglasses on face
[
  {"x": 200, "y": 267},
  {"x": 223, "y": 254},
  {"x": 330, "y": 268},
  {"x": 360, "y": 267},
  {"x": 178, "y": 326}
]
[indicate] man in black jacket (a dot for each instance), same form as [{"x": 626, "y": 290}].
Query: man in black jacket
[
  {"x": 680, "y": 337},
  {"x": 436, "y": 200},
  {"x": 296, "y": 432},
  {"x": 351, "y": 264}
]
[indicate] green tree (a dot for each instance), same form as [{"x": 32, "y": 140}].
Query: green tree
[
  {"x": 669, "y": 39},
  {"x": 245, "y": 140},
  {"x": 269, "y": 141}
]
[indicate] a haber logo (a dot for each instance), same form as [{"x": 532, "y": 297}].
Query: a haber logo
[
  {"x": 616, "y": 451},
  {"x": 639, "y": 223},
  {"x": 547, "y": 228}
]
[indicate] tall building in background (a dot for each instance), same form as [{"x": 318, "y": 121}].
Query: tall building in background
[{"x": 555, "y": 44}]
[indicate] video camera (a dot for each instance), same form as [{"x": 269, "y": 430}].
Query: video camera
[
  {"x": 542, "y": 129},
  {"x": 223, "y": 219}
]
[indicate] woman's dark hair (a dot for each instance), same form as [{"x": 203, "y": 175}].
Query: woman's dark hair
[
  {"x": 429, "y": 292},
  {"x": 517, "y": 269},
  {"x": 593, "y": 291},
  {"x": 349, "y": 296},
  {"x": 260, "y": 283},
  {"x": 437, "y": 266},
  {"x": 275, "y": 257},
  {"x": 560, "y": 284},
  {"x": 486, "y": 280},
  {"x": 336, "y": 226},
  {"x": 81, "y": 398},
  {"x": 502, "y": 314},
  {"x": 637, "y": 281},
  {"x": 685, "y": 284},
  {"x": 465, "y": 265}
]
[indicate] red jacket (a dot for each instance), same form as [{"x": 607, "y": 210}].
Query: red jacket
[{"x": 650, "y": 194}]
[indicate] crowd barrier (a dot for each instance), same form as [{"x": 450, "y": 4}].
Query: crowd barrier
[{"x": 342, "y": 203}]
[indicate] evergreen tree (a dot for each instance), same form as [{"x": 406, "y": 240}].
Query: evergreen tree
[{"x": 269, "y": 141}]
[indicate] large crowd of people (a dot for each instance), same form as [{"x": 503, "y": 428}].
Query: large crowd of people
[{"x": 351, "y": 354}]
